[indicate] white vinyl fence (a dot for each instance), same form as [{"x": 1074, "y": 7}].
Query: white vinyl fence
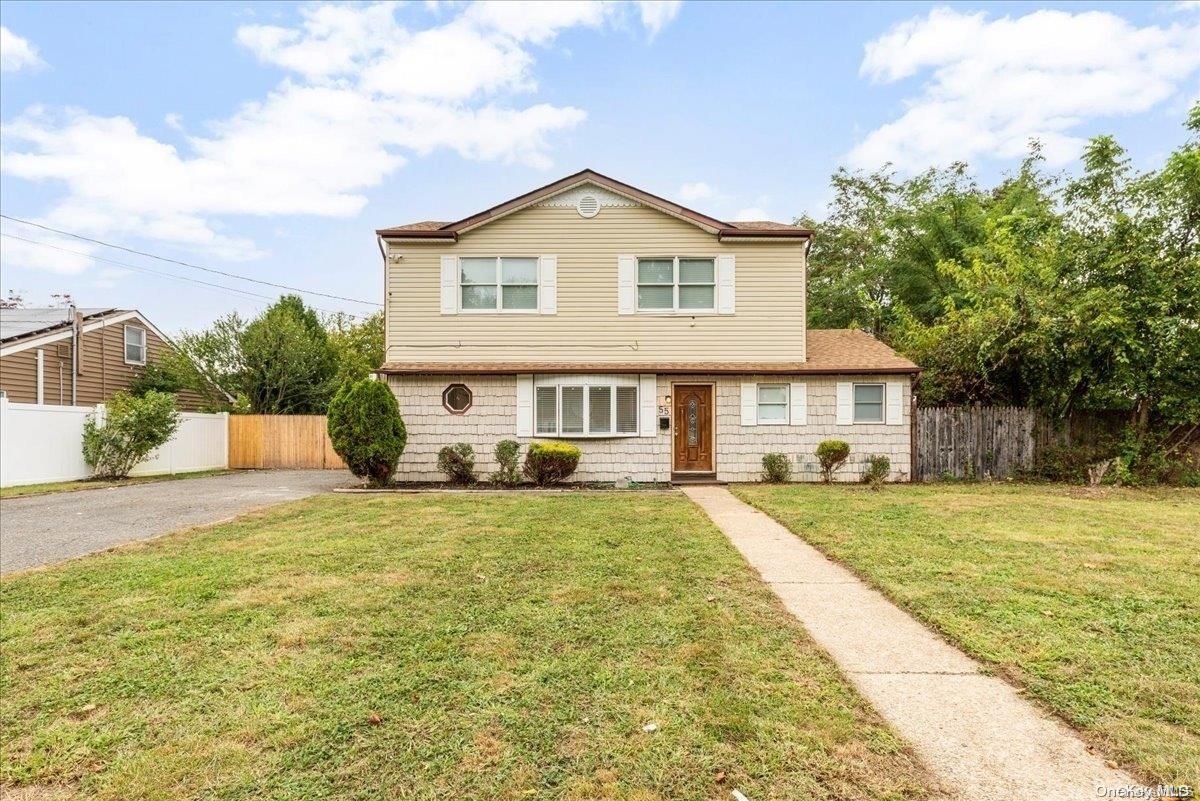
[{"x": 40, "y": 443}]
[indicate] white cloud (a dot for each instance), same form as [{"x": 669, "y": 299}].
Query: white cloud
[
  {"x": 17, "y": 53},
  {"x": 656, "y": 14},
  {"x": 363, "y": 95},
  {"x": 991, "y": 85},
  {"x": 752, "y": 213},
  {"x": 38, "y": 257},
  {"x": 692, "y": 192}
]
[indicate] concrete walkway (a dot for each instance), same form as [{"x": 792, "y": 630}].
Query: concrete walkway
[
  {"x": 43, "y": 529},
  {"x": 977, "y": 734}
]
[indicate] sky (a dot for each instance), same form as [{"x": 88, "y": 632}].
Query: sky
[{"x": 269, "y": 141}]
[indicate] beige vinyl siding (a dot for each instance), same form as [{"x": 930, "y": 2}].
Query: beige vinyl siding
[{"x": 769, "y": 277}]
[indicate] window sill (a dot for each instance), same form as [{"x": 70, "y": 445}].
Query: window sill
[
  {"x": 586, "y": 436},
  {"x": 681, "y": 312},
  {"x": 500, "y": 311}
]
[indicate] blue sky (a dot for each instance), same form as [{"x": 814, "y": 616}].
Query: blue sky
[{"x": 270, "y": 140}]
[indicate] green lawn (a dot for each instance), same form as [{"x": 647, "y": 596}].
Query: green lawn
[
  {"x": 94, "y": 483},
  {"x": 512, "y": 647},
  {"x": 1088, "y": 598}
]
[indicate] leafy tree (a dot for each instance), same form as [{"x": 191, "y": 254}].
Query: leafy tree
[
  {"x": 133, "y": 427},
  {"x": 287, "y": 363},
  {"x": 357, "y": 344},
  {"x": 367, "y": 431}
]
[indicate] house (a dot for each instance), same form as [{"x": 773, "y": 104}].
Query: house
[
  {"x": 665, "y": 343},
  {"x": 76, "y": 357}
]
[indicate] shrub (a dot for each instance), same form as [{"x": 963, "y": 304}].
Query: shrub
[
  {"x": 832, "y": 453},
  {"x": 133, "y": 427},
  {"x": 777, "y": 468},
  {"x": 508, "y": 455},
  {"x": 550, "y": 462},
  {"x": 878, "y": 468},
  {"x": 366, "y": 430},
  {"x": 457, "y": 461}
]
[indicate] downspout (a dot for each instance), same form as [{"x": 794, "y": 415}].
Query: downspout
[
  {"x": 383, "y": 254},
  {"x": 76, "y": 338}
]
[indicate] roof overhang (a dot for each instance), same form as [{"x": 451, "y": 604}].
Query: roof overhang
[
  {"x": 673, "y": 368},
  {"x": 64, "y": 330}
]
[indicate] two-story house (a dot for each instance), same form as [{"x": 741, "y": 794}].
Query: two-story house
[{"x": 665, "y": 343}]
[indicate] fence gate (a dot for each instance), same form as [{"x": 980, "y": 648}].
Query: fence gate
[{"x": 281, "y": 440}]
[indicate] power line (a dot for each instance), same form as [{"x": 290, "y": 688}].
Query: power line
[
  {"x": 253, "y": 297},
  {"x": 188, "y": 264}
]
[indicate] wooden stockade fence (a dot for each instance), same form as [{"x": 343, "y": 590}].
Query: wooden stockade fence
[
  {"x": 999, "y": 441},
  {"x": 286, "y": 441},
  {"x": 973, "y": 441}
]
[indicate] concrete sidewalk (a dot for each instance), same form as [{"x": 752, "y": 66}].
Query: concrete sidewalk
[{"x": 977, "y": 734}]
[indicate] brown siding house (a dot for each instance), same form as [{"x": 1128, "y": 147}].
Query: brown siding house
[{"x": 114, "y": 346}]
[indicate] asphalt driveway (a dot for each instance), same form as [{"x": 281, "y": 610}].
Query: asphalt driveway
[{"x": 44, "y": 529}]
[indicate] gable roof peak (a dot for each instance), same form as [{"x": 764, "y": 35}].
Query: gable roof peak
[{"x": 451, "y": 230}]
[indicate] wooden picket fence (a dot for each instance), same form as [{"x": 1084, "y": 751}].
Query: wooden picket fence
[{"x": 281, "y": 441}]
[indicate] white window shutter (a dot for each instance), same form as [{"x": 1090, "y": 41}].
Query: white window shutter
[
  {"x": 895, "y": 403},
  {"x": 648, "y": 405},
  {"x": 799, "y": 397},
  {"x": 845, "y": 403},
  {"x": 725, "y": 283},
  {"x": 525, "y": 405},
  {"x": 749, "y": 403},
  {"x": 548, "y": 284},
  {"x": 626, "y": 284},
  {"x": 449, "y": 285}
]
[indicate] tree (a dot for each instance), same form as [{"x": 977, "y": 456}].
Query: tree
[
  {"x": 357, "y": 344},
  {"x": 132, "y": 428},
  {"x": 287, "y": 363},
  {"x": 367, "y": 431}
]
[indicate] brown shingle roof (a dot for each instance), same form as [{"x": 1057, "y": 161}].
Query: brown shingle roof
[
  {"x": 830, "y": 352},
  {"x": 711, "y": 224}
]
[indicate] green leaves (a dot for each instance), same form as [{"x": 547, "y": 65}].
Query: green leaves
[{"x": 133, "y": 427}]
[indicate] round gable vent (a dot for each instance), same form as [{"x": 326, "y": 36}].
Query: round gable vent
[{"x": 588, "y": 206}]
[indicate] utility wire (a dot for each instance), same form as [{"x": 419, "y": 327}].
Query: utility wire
[
  {"x": 254, "y": 297},
  {"x": 188, "y": 264}
]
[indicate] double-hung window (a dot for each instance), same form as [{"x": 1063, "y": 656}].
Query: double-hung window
[
  {"x": 773, "y": 404},
  {"x": 677, "y": 283},
  {"x": 135, "y": 345},
  {"x": 491, "y": 284},
  {"x": 868, "y": 403},
  {"x": 586, "y": 407}
]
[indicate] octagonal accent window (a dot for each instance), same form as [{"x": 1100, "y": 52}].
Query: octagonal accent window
[{"x": 457, "y": 398}]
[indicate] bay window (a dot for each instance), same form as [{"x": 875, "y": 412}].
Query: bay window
[{"x": 586, "y": 406}]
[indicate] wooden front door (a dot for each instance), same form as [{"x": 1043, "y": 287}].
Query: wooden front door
[{"x": 693, "y": 415}]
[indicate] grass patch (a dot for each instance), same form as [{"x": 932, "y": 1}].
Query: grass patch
[
  {"x": 95, "y": 483},
  {"x": 1088, "y": 598},
  {"x": 419, "y": 647}
]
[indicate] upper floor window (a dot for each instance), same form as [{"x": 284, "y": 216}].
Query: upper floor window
[
  {"x": 135, "y": 345},
  {"x": 868, "y": 403},
  {"x": 498, "y": 284},
  {"x": 676, "y": 284}
]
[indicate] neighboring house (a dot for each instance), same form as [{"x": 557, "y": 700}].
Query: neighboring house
[
  {"x": 665, "y": 343},
  {"x": 76, "y": 357}
]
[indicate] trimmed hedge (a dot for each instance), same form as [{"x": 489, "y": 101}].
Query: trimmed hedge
[
  {"x": 367, "y": 431},
  {"x": 832, "y": 453},
  {"x": 550, "y": 462},
  {"x": 457, "y": 461},
  {"x": 777, "y": 468}
]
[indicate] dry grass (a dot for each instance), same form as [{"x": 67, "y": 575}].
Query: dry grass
[
  {"x": 1088, "y": 598},
  {"x": 93, "y": 483},
  {"x": 508, "y": 647}
]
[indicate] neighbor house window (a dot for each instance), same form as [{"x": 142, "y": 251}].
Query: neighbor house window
[
  {"x": 773, "y": 403},
  {"x": 498, "y": 284},
  {"x": 135, "y": 345},
  {"x": 868, "y": 403},
  {"x": 457, "y": 398},
  {"x": 677, "y": 284},
  {"x": 586, "y": 407}
]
